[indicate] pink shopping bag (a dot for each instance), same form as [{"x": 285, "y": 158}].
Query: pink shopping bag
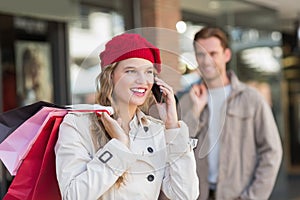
[
  {"x": 36, "y": 177},
  {"x": 14, "y": 148}
]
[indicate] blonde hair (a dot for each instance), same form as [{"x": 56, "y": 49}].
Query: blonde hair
[{"x": 104, "y": 97}]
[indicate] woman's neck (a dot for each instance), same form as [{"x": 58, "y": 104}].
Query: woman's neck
[{"x": 126, "y": 113}]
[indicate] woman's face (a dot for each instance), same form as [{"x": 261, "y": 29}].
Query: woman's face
[{"x": 132, "y": 79}]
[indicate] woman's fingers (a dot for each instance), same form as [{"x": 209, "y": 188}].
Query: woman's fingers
[
  {"x": 114, "y": 129},
  {"x": 166, "y": 89},
  {"x": 167, "y": 110}
]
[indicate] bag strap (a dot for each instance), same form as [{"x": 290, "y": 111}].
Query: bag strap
[{"x": 98, "y": 112}]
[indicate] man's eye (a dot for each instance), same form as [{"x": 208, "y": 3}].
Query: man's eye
[
  {"x": 200, "y": 55},
  {"x": 213, "y": 54}
]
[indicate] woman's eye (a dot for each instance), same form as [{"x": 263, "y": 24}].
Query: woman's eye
[
  {"x": 130, "y": 71},
  {"x": 150, "y": 72}
]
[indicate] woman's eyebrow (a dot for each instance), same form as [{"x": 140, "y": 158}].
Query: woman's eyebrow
[
  {"x": 129, "y": 67},
  {"x": 134, "y": 67}
]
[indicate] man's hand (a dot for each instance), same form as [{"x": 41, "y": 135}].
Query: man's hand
[{"x": 199, "y": 96}]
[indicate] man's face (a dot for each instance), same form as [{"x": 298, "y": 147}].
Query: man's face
[{"x": 211, "y": 58}]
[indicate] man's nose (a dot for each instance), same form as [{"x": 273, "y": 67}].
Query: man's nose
[{"x": 208, "y": 59}]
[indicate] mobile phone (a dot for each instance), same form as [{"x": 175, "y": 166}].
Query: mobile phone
[{"x": 157, "y": 93}]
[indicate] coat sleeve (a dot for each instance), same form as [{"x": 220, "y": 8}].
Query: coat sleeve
[
  {"x": 269, "y": 154},
  {"x": 180, "y": 181},
  {"x": 81, "y": 175}
]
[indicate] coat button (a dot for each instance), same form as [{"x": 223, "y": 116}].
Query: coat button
[
  {"x": 150, "y": 178},
  {"x": 150, "y": 150},
  {"x": 146, "y": 128}
]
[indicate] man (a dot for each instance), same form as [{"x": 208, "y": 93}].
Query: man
[{"x": 239, "y": 149}]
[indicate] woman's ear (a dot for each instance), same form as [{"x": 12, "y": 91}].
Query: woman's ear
[{"x": 112, "y": 75}]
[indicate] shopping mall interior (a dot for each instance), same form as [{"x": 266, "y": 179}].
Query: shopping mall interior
[{"x": 66, "y": 36}]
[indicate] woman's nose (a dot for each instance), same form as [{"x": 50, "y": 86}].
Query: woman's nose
[{"x": 141, "y": 78}]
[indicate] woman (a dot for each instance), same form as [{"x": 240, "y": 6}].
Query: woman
[{"x": 128, "y": 155}]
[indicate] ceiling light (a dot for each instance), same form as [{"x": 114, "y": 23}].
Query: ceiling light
[{"x": 181, "y": 26}]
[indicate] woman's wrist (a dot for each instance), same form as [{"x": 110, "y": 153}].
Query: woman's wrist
[
  {"x": 124, "y": 140},
  {"x": 172, "y": 125}
]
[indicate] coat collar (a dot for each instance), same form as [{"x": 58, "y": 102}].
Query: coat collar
[
  {"x": 236, "y": 85},
  {"x": 234, "y": 81},
  {"x": 139, "y": 119}
]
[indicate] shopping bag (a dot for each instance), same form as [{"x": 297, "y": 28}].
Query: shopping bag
[
  {"x": 36, "y": 177},
  {"x": 16, "y": 145},
  {"x": 12, "y": 119},
  {"x": 14, "y": 148}
]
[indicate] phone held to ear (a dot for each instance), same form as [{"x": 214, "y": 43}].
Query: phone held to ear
[{"x": 157, "y": 93}]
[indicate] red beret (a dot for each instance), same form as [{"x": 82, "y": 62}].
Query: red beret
[{"x": 129, "y": 45}]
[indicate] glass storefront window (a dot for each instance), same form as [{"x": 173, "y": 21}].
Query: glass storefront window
[
  {"x": 87, "y": 34},
  {"x": 187, "y": 61}
]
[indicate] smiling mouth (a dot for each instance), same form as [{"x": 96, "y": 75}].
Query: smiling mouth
[
  {"x": 138, "y": 90},
  {"x": 208, "y": 68}
]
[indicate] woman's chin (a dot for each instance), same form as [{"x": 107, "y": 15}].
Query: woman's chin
[{"x": 137, "y": 102}]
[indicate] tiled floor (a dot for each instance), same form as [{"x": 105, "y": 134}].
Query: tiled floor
[{"x": 287, "y": 187}]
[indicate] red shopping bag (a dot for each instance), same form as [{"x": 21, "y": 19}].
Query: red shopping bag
[
  {"x": 36, "y": 177},
  {"x": 16, "y": 145}
]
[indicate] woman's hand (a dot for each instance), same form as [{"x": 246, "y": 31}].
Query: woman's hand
[
  {"x": 114, "y": 128},
  {"x": 199, "y": 96},
  {"x": 167, "y": 110}
]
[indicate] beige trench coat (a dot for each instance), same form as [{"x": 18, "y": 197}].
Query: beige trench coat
[
  {"x": 250, "y": 145},
  {"x": 156, "y": 160}
]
